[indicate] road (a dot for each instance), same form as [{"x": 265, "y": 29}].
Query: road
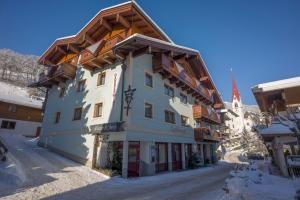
[{"x": 46, "y": 175}]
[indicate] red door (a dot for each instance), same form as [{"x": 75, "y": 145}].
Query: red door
[
  {"x": 176, "y": 156},
  {"x": 133, "y": 159}
]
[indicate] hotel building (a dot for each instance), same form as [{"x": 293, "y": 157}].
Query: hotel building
[{"x": 122, "y": 89}]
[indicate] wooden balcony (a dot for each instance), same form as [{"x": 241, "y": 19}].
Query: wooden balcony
[
  {"x": 172, "y": 70},
  {"x": 206, "y": 114},
  {"x": 101, "y": 53},
  {"x": 200, "y": 112},
  {"x": 214, "y": 116},
  {"x": 55, "y": 74},
  {"x": 205, "y": 134}
]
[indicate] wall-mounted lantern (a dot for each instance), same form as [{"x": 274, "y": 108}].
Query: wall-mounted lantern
[{"x": 128, "y": 98}]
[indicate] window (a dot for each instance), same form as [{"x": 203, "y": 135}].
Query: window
[
  {"x": 57, "y": 117},
  {"x": 183, "y": 98},
  {"x": 77, "y": 114},
  {"x": 62, "y": 92},
  {"x": 148, "y": 110},
  {"x": 101, "y": 79},
  {"x": 169, "y": 91},
  {"x": 236, "y": 105},
  {"x": 98, "y": 109},
  {"x": 169, "y": 117},
  {"x": 8, "y": 124},
  {"x": 80, "y": 86},
  {"x": 184, "y": 121},
  {"x": 148, "y": 80},
  {"x": 12, "y": 108}
]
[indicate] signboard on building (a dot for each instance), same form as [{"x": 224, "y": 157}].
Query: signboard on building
[{"x": 107, "y": 127}]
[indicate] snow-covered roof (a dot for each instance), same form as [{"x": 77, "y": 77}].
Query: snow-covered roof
[
  {"x": 276, "y": 129},
  {"x": 277, "y": 85},
  {"x": 137, "y": 35},
  {"x": 17, "y": 95}
]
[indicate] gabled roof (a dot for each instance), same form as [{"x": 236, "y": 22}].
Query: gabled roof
[
  {"x": 138, "y": 42},
  {"x": 129, "y": 12}
]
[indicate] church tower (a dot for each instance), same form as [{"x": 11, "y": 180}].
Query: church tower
[{"x": 237, "y": 107}]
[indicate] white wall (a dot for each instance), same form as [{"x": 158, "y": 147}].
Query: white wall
[
  {"x": 68, "y": 135},
  {"x": 26, "y": 128},
  {"x": 157, "y": 128}
]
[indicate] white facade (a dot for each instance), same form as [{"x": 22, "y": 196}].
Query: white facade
[
  {"x": 26, "y": 128},
  {"x": 73, "y": 139}
]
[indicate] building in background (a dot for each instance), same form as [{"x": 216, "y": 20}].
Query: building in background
[
  {"x": 123, "y": 95},
  {"x": 280, "y": 101},
  {"x": 240, "y": 121},
  {"x": 20, "y": 113}
]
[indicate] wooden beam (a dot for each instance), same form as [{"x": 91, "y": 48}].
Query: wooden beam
[
  {"x": 180, "y": 56},
  {"x": 96, "y": 63},
  {"x": 120, "y": 55},
  {"x": 185, "y": 87},
  {"x": 120, "y": 19},
  {"x": 73, "y": 48},
  {"x": 174, "y": 80},
  {"x": 49, "y": 62},
  {"x": 166, "y": 75},
  {"x": 58, "y": 48},
  {"x": 204, "y": 79},
  {"x": 88, "y": 39},
  {"x": 170, "y": 53},
  {"x": 179, "y": 84},
  {"x": 189, "y": 91},
  {"x": 108, "y": 60},
  {"x": 143, "y": 50},
  {"x": 104, "y": 23},
  {"x": 218, "y": 105}
]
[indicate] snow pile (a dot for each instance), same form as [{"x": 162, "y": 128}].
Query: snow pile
[
  {"x": 253, "y": 182},
  {"x": 11, "y": 174}
]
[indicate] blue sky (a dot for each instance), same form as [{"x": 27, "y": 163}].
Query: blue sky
[{"x": 259, "y": 39}]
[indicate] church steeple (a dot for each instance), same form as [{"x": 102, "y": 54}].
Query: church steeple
[{"x": 235, "y": 91}]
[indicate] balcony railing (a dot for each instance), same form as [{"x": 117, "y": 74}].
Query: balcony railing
[
  {"x": 55, "y": 74},
  {"x": 203, "y": 133},
  {"x": 207, "y": 114},
  {"x": 177, "y": 74}
]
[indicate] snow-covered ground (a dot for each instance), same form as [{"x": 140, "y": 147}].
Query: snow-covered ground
[
  {"x": 253, "y": 182},
  {"x": 32, "y": 172},
  {"x": 35, "y": 173}
]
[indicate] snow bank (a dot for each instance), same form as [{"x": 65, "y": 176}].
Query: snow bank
[
  {"x": 11, "y": 174},
  {"x": 253, "y": 182}
]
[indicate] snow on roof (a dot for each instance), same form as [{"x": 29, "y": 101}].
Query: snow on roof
[
  {"x": 17, "y": 95},
  {"x": 277, "y": 85},
  {"x": 276, "y": 129},
  {"x": 137, "y": 35}
]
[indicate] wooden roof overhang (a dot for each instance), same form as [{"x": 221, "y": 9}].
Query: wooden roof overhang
[
  {"x": 266, "y": 100},
  {"x": 139, "y": 44},
  {"x": 270, "y": 137},
  {"x": 126, "y": 15}
]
